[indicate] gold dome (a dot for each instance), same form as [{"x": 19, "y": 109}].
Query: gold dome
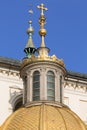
[{"x": 44, "y": 116}]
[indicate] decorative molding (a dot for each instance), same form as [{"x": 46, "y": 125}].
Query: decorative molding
[
  {"x": 10, "y": 72},
  {"x": 75, "y": 86}
]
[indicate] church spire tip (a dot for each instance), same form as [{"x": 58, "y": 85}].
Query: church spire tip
[
  {"x": 42, "y": 22},
  {"x": 30, "y": 48}
]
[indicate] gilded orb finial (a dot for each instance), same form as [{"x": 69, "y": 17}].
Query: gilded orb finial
[{"x": 30, "y": 29}]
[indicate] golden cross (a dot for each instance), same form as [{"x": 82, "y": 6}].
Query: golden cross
[{"x": 42, "y": 8}]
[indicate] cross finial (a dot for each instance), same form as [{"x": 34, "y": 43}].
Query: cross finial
[{"x": 42, "y": 8}]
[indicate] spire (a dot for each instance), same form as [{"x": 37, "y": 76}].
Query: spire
[
  {"x": 30, "y": 48},
  {"x": 42, "y": 21}
]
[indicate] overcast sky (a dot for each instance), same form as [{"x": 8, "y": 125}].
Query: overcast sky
[{"x": 66, "y": 26}]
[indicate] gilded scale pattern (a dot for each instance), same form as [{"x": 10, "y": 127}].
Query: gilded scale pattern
[{"x": 44, "y": 117}]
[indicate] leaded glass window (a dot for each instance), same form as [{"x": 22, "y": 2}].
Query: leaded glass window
[
  {"x": 50, "y": 85},
  {"x": 36, "y": 86}
]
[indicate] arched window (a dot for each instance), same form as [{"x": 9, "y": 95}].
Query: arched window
[
  {"x": 50, "y": 85},
  {"x": 36, "y": 86}
]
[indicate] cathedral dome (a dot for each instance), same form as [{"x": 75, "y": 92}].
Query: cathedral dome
[{"x": 44, "y": 116}]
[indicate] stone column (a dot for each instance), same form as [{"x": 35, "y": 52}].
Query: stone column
[
  {"x": 28, "y": 87},
  {"x": 57, "y": 88},
  {"x": 43, "y": 84}
]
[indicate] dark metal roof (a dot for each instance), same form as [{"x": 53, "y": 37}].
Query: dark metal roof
[
  {"x": 10, "y": 63},
  {"x": 76, "y": 75}
]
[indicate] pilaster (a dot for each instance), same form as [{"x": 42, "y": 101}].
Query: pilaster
[{"x": 43, "y": 89}]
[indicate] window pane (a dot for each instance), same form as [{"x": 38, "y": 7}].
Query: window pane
[
  {"x": 36, "y": 98},
  {"x": 36, "y": 85},
  {"x": 36, "y": 92},
  {"x": 36, "y": 78},
  {"x": 50, "y": 78},
  {"x": 50, "y": 98},
  {"x": 51, "y": 92},
  {"x": 50, "y": 85},
  {"x": 50, "y": 73}
]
